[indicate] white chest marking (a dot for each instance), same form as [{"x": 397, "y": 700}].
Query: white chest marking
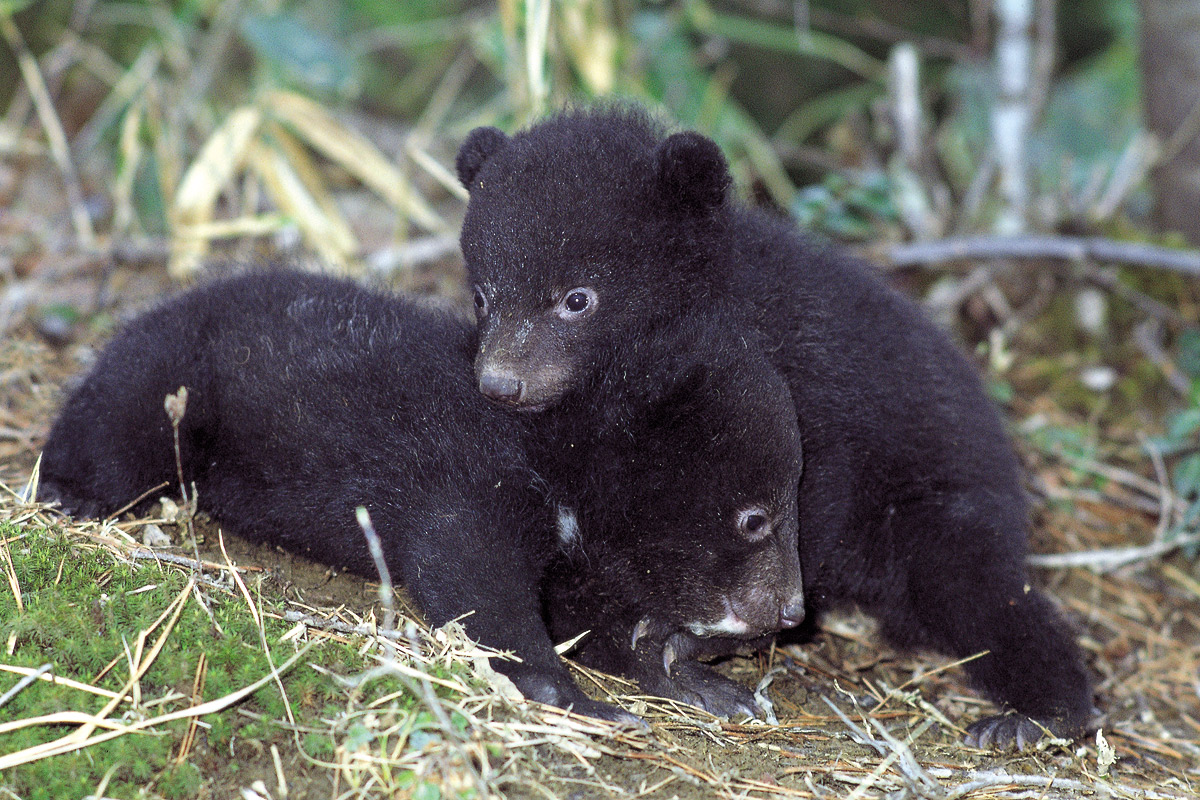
[{"x": 568, "y": 528}]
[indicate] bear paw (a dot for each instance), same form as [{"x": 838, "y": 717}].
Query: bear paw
[
  {"x": 696, "y": 684},
  {"x": 1005, "y": 731},
  {"x": 68, "y": 503},
  {"x": 554, "y": 687}
]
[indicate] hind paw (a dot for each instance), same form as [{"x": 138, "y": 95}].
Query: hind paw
[
  {"x": 68, "y": 503},
  {"x": 1005, "y": 731}
]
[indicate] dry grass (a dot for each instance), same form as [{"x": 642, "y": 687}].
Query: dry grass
[{"x": 467, "y": 733}]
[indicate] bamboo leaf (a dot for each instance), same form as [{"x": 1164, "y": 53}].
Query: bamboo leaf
[
  {"x": 328, "y": 235},
  {"x": 353, "y": 153},
  {"x": 221, "y": 157}
]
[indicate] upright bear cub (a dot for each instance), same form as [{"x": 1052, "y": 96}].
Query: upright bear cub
[
  {"x": 310, "y": 396},
  {"x": 596, "y": 230}
]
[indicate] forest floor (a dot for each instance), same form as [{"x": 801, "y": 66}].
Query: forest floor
[{"x": 854, "y": 718}]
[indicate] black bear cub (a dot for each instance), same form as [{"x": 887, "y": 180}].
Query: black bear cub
[
  {"x": 597, "y": 228},
  {"x": 310, "y": 396},
  {"x": 694, "y": 431}
]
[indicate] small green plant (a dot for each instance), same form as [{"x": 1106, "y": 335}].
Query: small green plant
[
  {"x": 847, "y": 208},
  {"x": 1179, "y": 447}
]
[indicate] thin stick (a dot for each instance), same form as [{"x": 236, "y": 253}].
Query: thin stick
[
  {"x": 1106, "y": 278},
  {"x": 26, "y": 681},
  {"x": 1066, "y": 248},
  {"x": 1146, "y": 336},
  {"x": 387, "y": 595},
  {"x": 54, "y": 132},
  {"x": 1111, "y": 558},
  {"x": 256, "y": 615},
  {"x": 189, "y": 738},
  {"x": 1182, "y": 136},
  {"x": 420, "y": 685},
  {"x": 1011, "y": 113},
  {"x": 135, "y": 501},
  {"x": 1166, "y": 498},
  {"x": 10, "y": 573},
  {"x": 184, "y": 561},
  {"x": 337, "y": 626},
  {"x": 176, "y": 407},
  {"x": 59, "y": 679}
]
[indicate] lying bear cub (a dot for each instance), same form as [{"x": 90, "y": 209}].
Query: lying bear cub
[
  {"x": 310, "y": 396},
  {"x": 596, "y": 230}
]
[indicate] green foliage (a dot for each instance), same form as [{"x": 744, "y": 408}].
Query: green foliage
[
  {"x": 1189, "y": 352},
  {"x": 847, "y": 208},
  {"x": 1091, "y": 116},
  {"x": 1000, "y": 390},
  {"x": 10, "y": 7},
  {"x": 1074, "y": 442},
  {"x": 180, "y": 781},
  {"x": 300, "y": 54},
  {"x": 1180, "y": 447}
]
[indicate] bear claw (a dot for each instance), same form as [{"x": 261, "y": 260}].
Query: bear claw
[
  {"x": 1005, "y": 731},
  {"x": 705, "y": 688}
]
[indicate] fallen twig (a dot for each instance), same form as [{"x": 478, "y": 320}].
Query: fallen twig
[
  {"x": 997, "y": 779},
  {"x": 198, "y": 566},
  {"x": 1146, "y": 336},
  {"x": 26, "y": 681},
  {"x": 1106, "y": 278},
  {"x": 1067, "y": 248},
  {"x": 893, "y": 752},
  {"x": 1112, "y": 558},
  {"x": 337, "y": 626},
  {"x": 55, "y": 137}
]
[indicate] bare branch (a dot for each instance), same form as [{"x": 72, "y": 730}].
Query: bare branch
[{"x": 1066, "y": 248}]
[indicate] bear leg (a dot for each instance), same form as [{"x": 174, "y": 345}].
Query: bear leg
[
  {"x": 962, "y": 589},
  {"x": 470, "y": 566}
]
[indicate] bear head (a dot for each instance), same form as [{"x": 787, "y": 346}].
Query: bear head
[
  {"x": 575, "y": 226},
  {"x": 697, "y": 526}
]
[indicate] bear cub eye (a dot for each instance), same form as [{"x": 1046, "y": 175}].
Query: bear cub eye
[
  {"x": 754, "y": 524},
  {"x": 577, "y": 301},
  {"x": 481, "y": 304},
  {"x": 576, "y": 304}
]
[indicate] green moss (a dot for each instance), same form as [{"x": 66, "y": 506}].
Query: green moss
[
  {"x": 180, "y": 781},
  {"x": 83, "y": 611}
]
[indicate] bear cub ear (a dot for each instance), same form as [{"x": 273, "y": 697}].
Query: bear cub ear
[
  {"x": 692, "y": 172},
  {"x": 481, "y": 144}
]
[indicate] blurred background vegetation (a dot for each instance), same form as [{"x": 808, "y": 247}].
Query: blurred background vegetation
[
  {"x": 173, "y": 133},
  {"x": 143, "y": 142},
  {"x": 797, "y": 94}
]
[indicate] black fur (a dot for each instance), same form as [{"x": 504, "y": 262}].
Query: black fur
[
  {"x": 685, "y": 446},
  {"x": 310, "y": 396},
  {"x": 476, "y": 150},
  {"x": 911, "y": 505}
]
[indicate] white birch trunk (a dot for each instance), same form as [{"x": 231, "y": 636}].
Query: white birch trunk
[{"x": 1011, "y": 114}]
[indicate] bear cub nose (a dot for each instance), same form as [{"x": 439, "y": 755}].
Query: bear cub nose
[
  {"x": 791, "y": 612},
  {"x": 500, "y": 386}
]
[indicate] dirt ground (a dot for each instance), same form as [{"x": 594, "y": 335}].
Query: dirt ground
[{"x": 1140, "y": 628}]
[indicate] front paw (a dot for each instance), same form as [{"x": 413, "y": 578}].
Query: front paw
[
  {"x": 554, "y": 687},
  {"x": 704, "y": 687},
  {"x": 70, "y": 504}
]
